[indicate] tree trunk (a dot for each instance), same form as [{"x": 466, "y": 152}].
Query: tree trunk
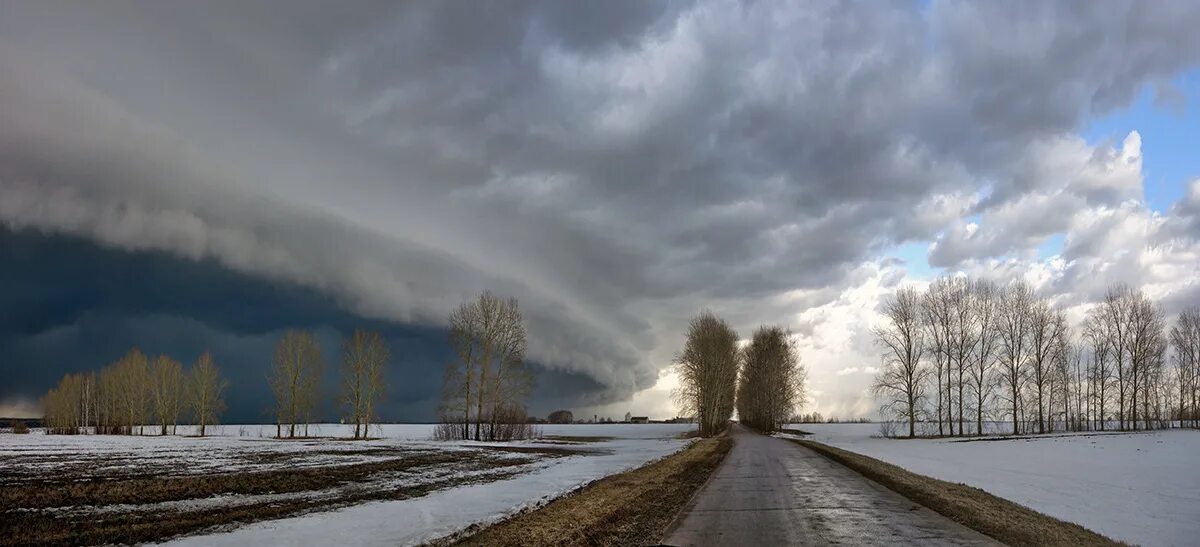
[
  {"x": 1014, "y": 403},
  {"x": 912, "y": 416},
  {"x": 979, "y": 416},
  {"x": 1041, "y": 419},
  {"x": 961, "y": 430}
]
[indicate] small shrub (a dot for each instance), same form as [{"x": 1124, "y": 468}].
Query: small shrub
[
  {"x": 888, "y": 428},
  {"x": 18, "y": 427}
]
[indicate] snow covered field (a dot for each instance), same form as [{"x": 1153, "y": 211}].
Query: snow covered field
[
  {"x": 1142, "y": 488},
  {"x": 421, "y": 489}
]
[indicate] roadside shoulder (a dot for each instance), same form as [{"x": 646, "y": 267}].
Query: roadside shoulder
[
  {"x": 1004, "y": 520},
  {"x": 630, "y": 508}
]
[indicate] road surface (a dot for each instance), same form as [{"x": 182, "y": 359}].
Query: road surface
[{"x": 771, "y": 491}]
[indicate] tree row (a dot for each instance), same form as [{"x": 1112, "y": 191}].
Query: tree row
[
  {"x": 763, "y": 381},
  {"x": 966, "y": 353},
  {"x": 483, "y": 395},
  {"x": 135, "y": 391}
]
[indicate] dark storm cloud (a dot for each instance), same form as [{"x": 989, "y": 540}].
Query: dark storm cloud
[
  {"x": 615, "y": 165},
  {"x": 70, "y": 306}
]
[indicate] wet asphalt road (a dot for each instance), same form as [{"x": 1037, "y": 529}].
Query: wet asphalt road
[{"x": 771, "y": 491}]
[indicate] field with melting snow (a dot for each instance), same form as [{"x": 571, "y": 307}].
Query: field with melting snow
[{"x": 241, "y": 486}]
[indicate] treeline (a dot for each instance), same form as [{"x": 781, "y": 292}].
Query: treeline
[
  {"x": 485, "y": 386},
  {"x": 764, "y": 381},
  {"x": 136, "y": 391},
  {"x": 817, "y": 418},
  {"x": 483, "y": 395},
  {"x": 133, "y": 392},
  {"x": 966, "y": 352}
]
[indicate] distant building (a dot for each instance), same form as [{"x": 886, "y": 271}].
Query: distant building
[{"x": 639, "y": 419}]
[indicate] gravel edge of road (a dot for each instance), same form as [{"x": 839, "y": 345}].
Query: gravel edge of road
[
  {"x": 626, "y": 509},
  {"x": 996, "y": 517}
]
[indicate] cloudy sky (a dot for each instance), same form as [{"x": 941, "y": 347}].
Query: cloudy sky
[{"x": 203, "y": 175}]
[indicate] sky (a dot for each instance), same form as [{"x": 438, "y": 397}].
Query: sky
[{"x": 186, "y": 176}]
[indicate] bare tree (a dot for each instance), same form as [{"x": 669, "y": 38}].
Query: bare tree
[
  {"x": 1016, "y": 307},
  {"x": 771, "y": 384},
  {"x": 363, "y": 357},
  {"x": 506, "y": 380},
  {"x": 1185, "y": 341},
  {"x": 206, "y": 389},
  {"x": 1047, "y": 330},
  {"x": 295, "y": 380},
  {"x": 964, "y": 336},
  {"x": 985, "y": 306},
  {"x": 900, "y": 379},
  {"x": 707, "y": 368},
  {"x": 166, "y": 389},
  {"x": 133, "y": 374},
  {"x": 1112, "y": 326},
  {"x": 1146, "y": 346},
  {"x": 111, "y": 416},
  {"x": 1073, "y": 385},
  {"x": 486, "y": 385},
  {"x": 937, "y": 312},
  {"x": 61, "y": 409},
  {"x": 1100, "y": 374},
  {"x": 461, "y": 380}
]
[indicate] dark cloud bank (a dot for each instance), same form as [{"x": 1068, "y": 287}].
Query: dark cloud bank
[{"x": 70, "y": 305}]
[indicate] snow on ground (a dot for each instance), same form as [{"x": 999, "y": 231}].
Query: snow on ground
[
  {"x": 445, "y": 512},
  {"x": 36, "y": 455},
  {"x": 541, "y": 473},
  {"x": 237, "y": 448},
  {"x": 1141, "y": 488}
]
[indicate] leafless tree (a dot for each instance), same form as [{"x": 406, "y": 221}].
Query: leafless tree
[
  {"x": 708, "y": 368},
  {"x": 985, "y": 310},
  {"x": 1047, "y": 332},
  {"x": 1074, "y": 380},
  {"x": 363, "y": 357},
  {"x": 902, "y": 375},
  {"x": 110, "y": 417},
  {"x": 1016, "y": 307},
  {"x": 1185, "y": 341},
  {"x": 964, "y": 336},
  {"x": 771, "y": 384},
  {"x": 1100, "y": 365},
  {"x": 485, "y": 387},
  {"x": 206, "y": 389},
  {"x": 1111, "y": 321},
  {"x": 166, "y": 391},
  {"x": 133, "y": 374},
  {"x": 295, "y": 380},
  {"x": 1147, "y": 346},
  {"x": 937, "y": 311},
  {"x": 61, "y": 408}
]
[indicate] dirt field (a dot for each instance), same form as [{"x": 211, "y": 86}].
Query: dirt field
[{"x": 125, "y": 490}]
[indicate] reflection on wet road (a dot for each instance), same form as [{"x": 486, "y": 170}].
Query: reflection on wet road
[{"x": 774, "y": 492}]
